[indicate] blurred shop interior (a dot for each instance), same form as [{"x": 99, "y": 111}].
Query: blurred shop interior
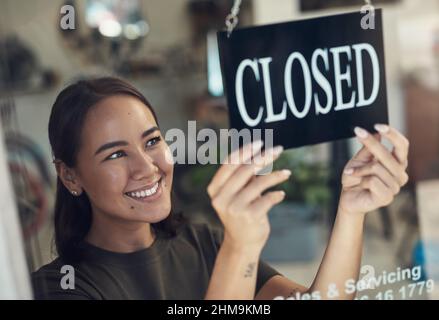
[{"x": 168, "y": 50}]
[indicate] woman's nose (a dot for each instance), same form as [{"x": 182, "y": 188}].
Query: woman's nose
[{"x": 142, "y": 166}]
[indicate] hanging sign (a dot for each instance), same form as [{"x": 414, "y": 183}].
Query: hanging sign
[{"x": 311, "y": 81}]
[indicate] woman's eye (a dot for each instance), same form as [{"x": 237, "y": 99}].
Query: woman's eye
[
  {"x": 153, "y": 141},
  {"x": 117, "y": 154}
]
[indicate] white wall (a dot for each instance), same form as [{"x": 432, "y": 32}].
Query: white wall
[{"x": 14, "y": 276}]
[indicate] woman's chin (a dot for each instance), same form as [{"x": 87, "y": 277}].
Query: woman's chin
[{"x": 154, "y": 216}]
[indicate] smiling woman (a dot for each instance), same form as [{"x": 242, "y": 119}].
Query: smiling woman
[
  {"x": 91, "y": 129},
  {"x": 114, "y": 224},
  {"x": 113, "y": 214}
]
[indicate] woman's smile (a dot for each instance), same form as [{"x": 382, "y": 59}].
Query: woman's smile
[{"x": 147, "y": 193}]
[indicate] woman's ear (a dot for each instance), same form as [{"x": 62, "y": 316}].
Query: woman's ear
[{"x": 69, "y": 178}]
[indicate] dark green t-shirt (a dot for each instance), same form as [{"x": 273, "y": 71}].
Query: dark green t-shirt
[{"x": 171, "y": 268}]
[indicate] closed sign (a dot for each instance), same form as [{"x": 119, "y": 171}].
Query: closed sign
[{"x": 310, "y": 81}]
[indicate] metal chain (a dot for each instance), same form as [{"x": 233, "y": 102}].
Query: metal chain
[
  {"x": 369, "y": 6},
  {"x": 232, "y": 18}
]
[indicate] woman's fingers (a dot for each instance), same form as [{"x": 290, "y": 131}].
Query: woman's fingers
[
  {"x": 400, "y": 142},
  {"x": 362, "y": 157},
  {"x": 259, "y": 184},
  {"x": 233, "y": 161},
  {"x": 364, "y": 154},
  {"x": 242, "y": 175},
  {"x": 383, "y": 155},
  {"x": 264, "y": 203},
  {"x": 376, "y": 169},
  {"x": 266, "y": 157},
  {"x": 378, "y": 189}
]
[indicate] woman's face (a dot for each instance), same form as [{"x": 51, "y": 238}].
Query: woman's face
[{"x": 124, "y": 165}]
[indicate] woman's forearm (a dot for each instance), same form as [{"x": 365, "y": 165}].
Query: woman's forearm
[
  {"x": 234, "y": 274},
  {"x": 342, "y": 258}
]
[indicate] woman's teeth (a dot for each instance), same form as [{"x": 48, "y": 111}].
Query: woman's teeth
[{"x": 145, "y": 193}]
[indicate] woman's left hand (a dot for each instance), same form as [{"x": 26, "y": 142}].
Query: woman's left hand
[{"x": 373, "y": 177}]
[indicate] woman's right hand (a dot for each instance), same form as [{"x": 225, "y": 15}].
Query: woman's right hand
[{"x": 236, "y": 195}]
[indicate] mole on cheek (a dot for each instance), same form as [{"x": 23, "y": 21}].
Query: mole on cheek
[{"x": 132, "y": 207}]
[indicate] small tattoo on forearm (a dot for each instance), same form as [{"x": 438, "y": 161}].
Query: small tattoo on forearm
[
  {"x": 292, "y": 293},
  {"x": 249, "y": 271}
]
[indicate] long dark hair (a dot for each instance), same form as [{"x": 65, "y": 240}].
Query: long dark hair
[{"x": 73, "y": 215}]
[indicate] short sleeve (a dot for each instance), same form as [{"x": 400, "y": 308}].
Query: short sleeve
[{"x": 265, "y": 273}]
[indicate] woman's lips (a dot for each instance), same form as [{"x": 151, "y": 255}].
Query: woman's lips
[{"x": 142, "y": 196}]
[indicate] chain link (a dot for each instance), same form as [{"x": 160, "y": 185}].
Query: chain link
[
  {"x": 232, "y": 19},
  {"x": 369, "y": 6}
]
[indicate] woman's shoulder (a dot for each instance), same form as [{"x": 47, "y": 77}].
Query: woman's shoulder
[
  {"x": 59, "y": 280},
  {"x": 48, "y": 269}
]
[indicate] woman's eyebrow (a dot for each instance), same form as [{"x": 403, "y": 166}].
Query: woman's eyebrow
[
  {"x": 149, "y": 131},
  {"x": 110, "y": 145},
  {"x": 120, "y": 143}
]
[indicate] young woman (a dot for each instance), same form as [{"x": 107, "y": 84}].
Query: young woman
[{"x": 114, "y": 225}]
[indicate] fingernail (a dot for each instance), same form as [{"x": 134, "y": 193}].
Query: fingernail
[
  {"x": 349, "y": 171},
  {"x": 361, "y": 133},
  {"x": 277, "y": 150},
  {"x": 282, "y": 194},
  {"x": 382, "y": 128},
  {"x": 286, "y": 172}
]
